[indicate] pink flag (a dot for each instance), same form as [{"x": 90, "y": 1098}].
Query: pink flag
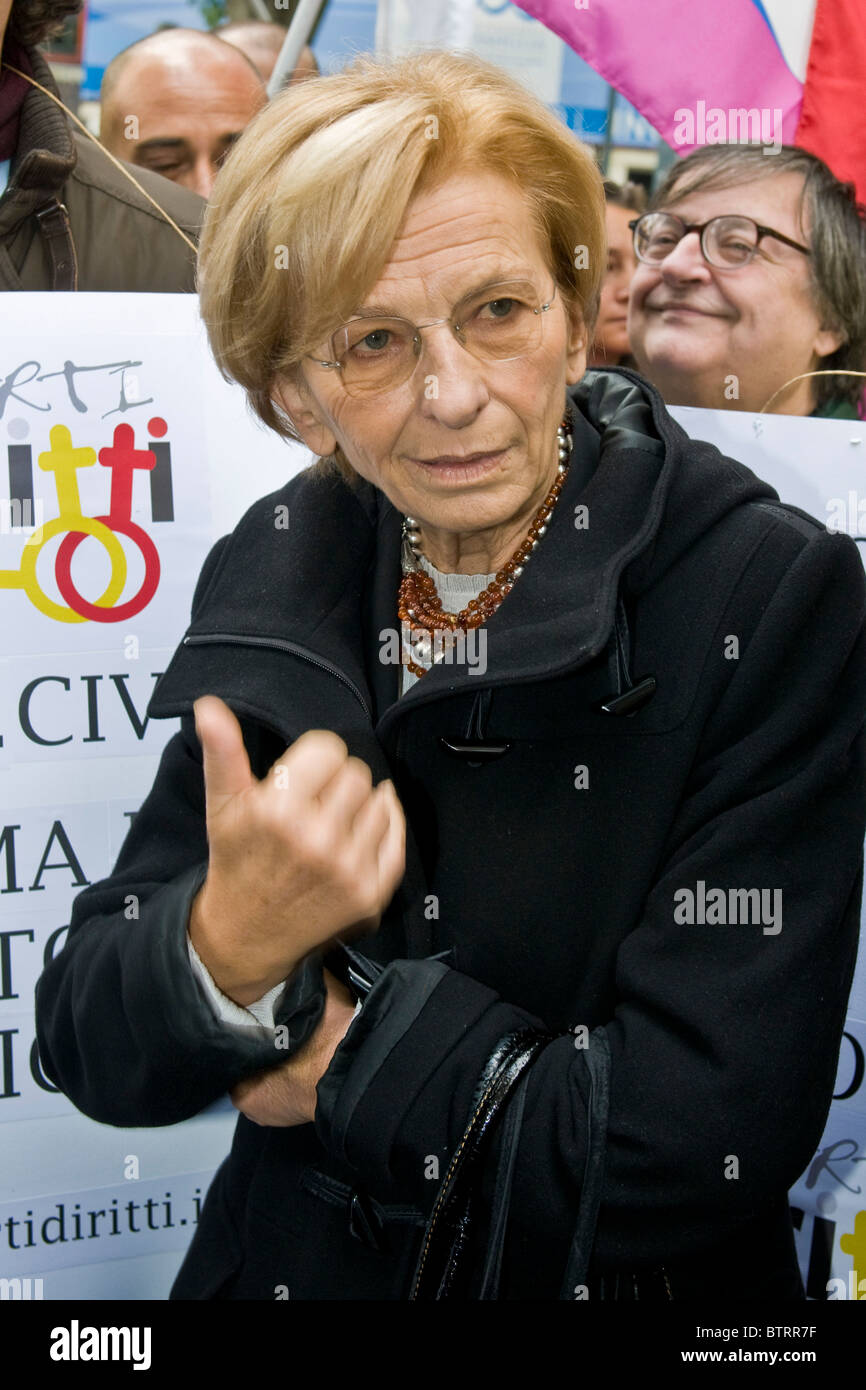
[{"x": 705, "y": 72}]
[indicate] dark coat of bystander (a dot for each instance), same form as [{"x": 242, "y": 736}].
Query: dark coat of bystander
[{"x": 70, "y": 219}]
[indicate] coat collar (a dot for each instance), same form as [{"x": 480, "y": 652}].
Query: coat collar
[{"x": 324, "y": 588}]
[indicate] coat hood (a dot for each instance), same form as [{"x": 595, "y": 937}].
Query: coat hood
[{"x": 639, "y": 493}]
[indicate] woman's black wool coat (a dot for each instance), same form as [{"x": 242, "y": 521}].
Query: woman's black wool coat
[{"x": 542, "y": 879}]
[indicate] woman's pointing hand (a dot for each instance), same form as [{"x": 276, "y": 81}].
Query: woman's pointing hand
[{"x": 294, "y": 859}]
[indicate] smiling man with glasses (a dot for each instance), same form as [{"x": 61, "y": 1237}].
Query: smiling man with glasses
[{"x": 748, "y": 280}]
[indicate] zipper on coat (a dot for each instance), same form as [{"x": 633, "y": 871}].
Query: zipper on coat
[{"x": 278, "y": 644}]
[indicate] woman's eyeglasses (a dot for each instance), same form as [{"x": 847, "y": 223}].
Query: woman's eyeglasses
[
  {"x": 375, "y": 353},
  {"x": 726, "y": 242}
]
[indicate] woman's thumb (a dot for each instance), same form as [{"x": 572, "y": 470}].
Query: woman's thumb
[{"x": 224, "y": 757}]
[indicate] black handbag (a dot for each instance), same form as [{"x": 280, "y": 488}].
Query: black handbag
[{"x": 447, "y": 1265}]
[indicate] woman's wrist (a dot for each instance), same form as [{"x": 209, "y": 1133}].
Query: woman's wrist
[{"x": 243, "y": 984}]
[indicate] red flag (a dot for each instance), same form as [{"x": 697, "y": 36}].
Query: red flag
[{"x": 832, "y": 124}]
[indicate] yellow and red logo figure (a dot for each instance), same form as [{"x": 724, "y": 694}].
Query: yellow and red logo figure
[{"x": 64, "y": 460}]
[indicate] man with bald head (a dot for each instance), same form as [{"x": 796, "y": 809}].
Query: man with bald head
[
  {"x": 176, "y": 102},
  {"x": 70, "y": 218},
  {"x": 261, "y": 42}
]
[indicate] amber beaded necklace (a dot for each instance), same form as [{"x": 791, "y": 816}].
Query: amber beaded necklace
[{"x": 419, "y": 605}]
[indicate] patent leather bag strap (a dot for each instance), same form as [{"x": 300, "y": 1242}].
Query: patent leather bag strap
[
  {"x": 442, "y": 1270},
  {"x": 598, "y": 1104},
  {"x": 598, "y": 1064},
  {"x": 502, "y": 1194}
]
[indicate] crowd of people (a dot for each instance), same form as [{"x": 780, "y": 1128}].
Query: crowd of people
[{"x": 763, "y": 309}]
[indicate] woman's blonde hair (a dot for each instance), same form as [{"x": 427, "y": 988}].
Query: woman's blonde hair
[{"x": 304, "y": 214}]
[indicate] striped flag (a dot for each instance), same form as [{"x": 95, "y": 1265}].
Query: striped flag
[{"x": 716, "y": 70}]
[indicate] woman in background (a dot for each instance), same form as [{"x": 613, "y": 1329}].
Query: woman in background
[{"x": 610, "y": 345}]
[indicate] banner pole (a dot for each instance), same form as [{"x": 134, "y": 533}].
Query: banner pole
[{"x": 298, "y": 33}]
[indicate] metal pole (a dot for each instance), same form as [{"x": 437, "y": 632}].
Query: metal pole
[
  {"x": 608, "y": 131},
  {"x": 297, "y": 35}
]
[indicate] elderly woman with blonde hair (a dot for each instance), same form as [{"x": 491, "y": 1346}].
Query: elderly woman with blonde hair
[{"x": 511, "y": 841}]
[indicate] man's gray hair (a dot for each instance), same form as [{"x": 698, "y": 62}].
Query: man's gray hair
[{"x": 834, "y": 224}]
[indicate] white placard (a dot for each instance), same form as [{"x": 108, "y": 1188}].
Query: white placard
[{"x": 110, "y": 407}]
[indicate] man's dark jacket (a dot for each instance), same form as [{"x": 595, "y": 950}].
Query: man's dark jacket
[
  {"x": 120, "y": 240},
  {"x": 547, "y": 874}
]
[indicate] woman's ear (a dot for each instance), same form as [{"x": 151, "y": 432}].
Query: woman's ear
[
  {"x": 576, "y": 347},
  {"x": 293, "y": 396},
  {"x": 828, "y": 340}
]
